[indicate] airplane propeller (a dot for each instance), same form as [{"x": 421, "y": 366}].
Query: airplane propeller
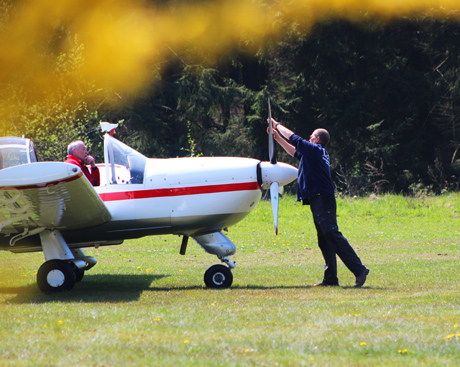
[
  {"x": 271, "y": 138},
  {"x": 275, "y": 203},
  {"x": 273, "y": 160},
  {"x": 275, "y": 174}
]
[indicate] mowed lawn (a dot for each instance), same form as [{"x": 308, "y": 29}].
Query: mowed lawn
[{"x": 144, "y": 304}]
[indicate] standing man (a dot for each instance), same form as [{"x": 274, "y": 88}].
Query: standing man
[
  {"x": 78, "y": 155},
  {"x": 315, "y": 188}
]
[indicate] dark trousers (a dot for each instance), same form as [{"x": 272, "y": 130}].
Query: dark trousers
[{"x": 330, "y": 239}]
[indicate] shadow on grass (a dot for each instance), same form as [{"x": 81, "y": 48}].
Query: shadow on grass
[
  {"x": 261, "y": 287},
  {"x": 116, "y": 288},
  {"x": 93, "y": 288}
]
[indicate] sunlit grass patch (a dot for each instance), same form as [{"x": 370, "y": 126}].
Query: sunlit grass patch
[{"x": 144, "y": 304}]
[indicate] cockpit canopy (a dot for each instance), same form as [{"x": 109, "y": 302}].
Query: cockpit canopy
[
  {"x": 16, "y": 151},
  {"x": 123, "y": 165}
]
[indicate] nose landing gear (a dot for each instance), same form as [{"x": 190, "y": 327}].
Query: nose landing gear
[{"x": 218, "y": 276}]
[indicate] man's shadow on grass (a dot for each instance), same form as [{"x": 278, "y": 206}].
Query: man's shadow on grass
[{"x": 103, "y": 288}]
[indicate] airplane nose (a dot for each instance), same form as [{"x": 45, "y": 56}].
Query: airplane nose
[{"x": 282, "y": 173}]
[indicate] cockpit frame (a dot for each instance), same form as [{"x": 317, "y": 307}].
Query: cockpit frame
[
  {"x": 16, "y": 151},
  {"x": 122, "y": 164}
]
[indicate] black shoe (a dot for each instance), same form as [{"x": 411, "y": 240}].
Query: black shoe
[
  {"x": 361, "y": 279},
  {"x": 324, "y": 284}
]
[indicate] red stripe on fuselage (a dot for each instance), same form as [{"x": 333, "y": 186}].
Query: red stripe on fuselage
[
  {"x": 40, "y": 186},
  {"x": 179, "y": 191}
]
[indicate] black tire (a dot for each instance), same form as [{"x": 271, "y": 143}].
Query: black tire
[
  {"x": 79, "y": 275},
  {"x": 55, "y": 276},
  {"x": 218, "y": 276}
]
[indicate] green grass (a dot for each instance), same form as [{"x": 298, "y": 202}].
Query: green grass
[{"x": 144, "y": 304}]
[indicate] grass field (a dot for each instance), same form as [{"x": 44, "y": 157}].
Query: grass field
[{"x": 143, "y": 304}]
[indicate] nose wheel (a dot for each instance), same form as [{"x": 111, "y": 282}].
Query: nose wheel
[{"x": 218, "y": 276}]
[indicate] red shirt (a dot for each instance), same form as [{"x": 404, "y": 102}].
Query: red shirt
[{"x": 92, "y": 177}]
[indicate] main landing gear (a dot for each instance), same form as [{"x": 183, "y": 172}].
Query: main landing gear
[
  {"x": 64, "y": 267},
  {"x": 56, "y": 276},
  {"x": 59, "y": 275}
]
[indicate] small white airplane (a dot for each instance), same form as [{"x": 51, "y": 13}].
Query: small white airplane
[{"x": 52, "y": 207}]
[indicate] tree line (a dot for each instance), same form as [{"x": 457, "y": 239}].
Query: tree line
[{"x": 387, "y": 93}]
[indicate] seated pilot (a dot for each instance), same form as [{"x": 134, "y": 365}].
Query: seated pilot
[{"x": 78, "y": 155}]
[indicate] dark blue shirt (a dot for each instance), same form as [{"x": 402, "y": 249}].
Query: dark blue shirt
[{"x": 314, "y": 168}]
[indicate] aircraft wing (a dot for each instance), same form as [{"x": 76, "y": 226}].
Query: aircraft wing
[{"x": 48, "y": 195}]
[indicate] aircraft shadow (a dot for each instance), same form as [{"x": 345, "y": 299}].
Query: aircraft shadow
[
  {"x": 256, "y": 287},
  {"x": 92, "y": 289},
  {"x": 103, "y": 288},
  {"x": 261, "y": 287}
]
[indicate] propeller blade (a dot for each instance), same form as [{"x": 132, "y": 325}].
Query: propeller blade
[
  {"x": 274, "y": 196},
  {"x": 271, "y": 139}
]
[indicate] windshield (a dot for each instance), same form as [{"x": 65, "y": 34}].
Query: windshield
[
  {"x": 16, "y": 151},
  {"x": 13, "y": 156},
  {"x": 123, "y": 165}
]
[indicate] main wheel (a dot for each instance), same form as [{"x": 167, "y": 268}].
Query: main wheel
[
  {"x": 79, "y": 275},
  {"x": 55, "y": 276},
  {"x": 218, "y": 276}
]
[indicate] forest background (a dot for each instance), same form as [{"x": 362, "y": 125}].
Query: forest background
[{"x": 387, "y": 90}]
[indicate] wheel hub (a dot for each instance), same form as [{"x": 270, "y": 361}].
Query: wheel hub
[
  {"x": 218, "y": 278},
  {"x": 55, "y": 278}
]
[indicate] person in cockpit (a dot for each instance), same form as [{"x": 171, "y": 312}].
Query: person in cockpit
[{"x": 78, "y": 155}]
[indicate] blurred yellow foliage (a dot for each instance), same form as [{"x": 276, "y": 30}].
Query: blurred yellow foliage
[{"x": 120, "y": 41}]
